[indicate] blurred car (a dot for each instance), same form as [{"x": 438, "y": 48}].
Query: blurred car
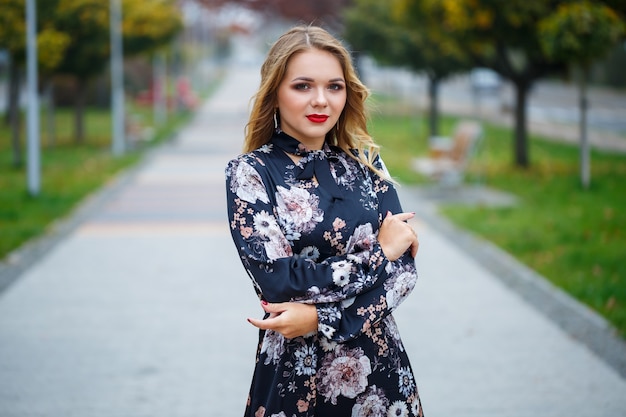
[{"x": 484, "y": 80}]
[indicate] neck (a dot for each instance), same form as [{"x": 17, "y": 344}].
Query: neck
[{"x": 311, "y": 144}]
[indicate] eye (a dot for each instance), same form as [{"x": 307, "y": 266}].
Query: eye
[
  {"x": 335, "y": 87},
  {"x": 301, "y": 86}
]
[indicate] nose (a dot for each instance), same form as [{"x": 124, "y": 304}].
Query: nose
[{"x": 319, "y": 100}]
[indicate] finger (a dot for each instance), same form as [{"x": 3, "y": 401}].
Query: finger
[
  {"x": 414, "y": 247},
  {"x": 404, "y": 216},
  {"x": 267, "y": 324}
]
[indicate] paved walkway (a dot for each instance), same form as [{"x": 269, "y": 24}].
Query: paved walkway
[{"x": 140, "y": 309}]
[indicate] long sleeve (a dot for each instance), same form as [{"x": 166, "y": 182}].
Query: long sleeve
[
  {"x": 345, "y": 320},
  {"x": 278, "y": 274},
  {"x": 341, "y": 321}
]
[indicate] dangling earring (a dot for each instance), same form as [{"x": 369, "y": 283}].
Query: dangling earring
[{"x": 276, "y": 119}]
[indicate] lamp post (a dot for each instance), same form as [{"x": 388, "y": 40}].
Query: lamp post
[
  {"x": 118, "y": 142},
  {"x": 32, "y": 128}
]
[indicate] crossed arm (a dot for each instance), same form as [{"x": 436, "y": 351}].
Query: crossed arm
[
  {"x": 281, "y": 276},
  {"x": 297, "y": 319}
]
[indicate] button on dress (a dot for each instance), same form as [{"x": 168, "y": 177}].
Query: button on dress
[{"x": 307, "y": 232}]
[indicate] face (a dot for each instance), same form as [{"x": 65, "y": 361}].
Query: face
[{"x": 311, "y": 97}]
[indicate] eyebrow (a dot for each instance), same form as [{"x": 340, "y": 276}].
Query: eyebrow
[{"x": 333, "y": 80}]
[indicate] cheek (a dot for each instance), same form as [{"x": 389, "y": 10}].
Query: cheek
[
  {"x": 289, "y": 101},
  {"x": 339, "y": 101}
]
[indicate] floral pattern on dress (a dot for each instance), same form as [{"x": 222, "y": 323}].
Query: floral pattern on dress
[
  {"x": 298, "y": 244},
  {"x": 297, "y": 210},
  {"x": 343, "y": 372}
]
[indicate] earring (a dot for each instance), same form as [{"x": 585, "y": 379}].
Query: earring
[{"x": 275, "y": 119}]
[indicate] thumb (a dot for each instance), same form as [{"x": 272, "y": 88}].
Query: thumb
[{"x": 405, "y": 216}]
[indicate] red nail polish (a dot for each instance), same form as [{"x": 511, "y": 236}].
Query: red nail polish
[{"x": 264, "y": 302}]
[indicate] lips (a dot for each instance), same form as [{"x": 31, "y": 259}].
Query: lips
[{"x": 317, "y": 118}]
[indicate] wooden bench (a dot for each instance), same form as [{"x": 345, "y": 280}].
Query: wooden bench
[{"x": 449, "y": 156}]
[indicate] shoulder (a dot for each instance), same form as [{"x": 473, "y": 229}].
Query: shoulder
[
  {"x": 379, "y": 164},
  {"x": 255, "y": 160},
  {"x": 246, "y": 176},
  {"x": 376, "y": 163}
]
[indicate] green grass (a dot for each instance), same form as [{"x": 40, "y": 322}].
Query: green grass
[
  {"x": 69, "y": 172},
  {"x": 68, "y": 175},
  {"x": 576, "y": 238}
]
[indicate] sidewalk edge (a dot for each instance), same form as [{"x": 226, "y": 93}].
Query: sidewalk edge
[
  {"x": 574, "y": 318},
  {"x": 32, "y": 251}
]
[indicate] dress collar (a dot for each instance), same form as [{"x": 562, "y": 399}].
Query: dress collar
[
  {"x": 313, "y": 164},
  {"x": 293, "y": 146}
]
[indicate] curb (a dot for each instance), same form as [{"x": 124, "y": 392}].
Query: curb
[
  {"x": 32, "y": 251},
  {"x": 574, "y": 318}
]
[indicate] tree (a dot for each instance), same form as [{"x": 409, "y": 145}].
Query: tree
[
  {"x": 503, "y": 36},
  {"x": 52, "y": 46},
  {"x": 580, "y": 33},
  {"x": 13, "y": 38},
  {"x": 88, "y": 22},
  {"x": 370, "y": 28},
  {"x": 147, "y": 24},
  {"x": 506, "y": 37},
  {"x": 405, "y": 36},
  {"x": 147, "y": 27}
]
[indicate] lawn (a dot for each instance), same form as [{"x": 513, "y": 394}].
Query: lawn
[
  {"x": 69, "y": 172},
  {"x": 575, "y": 238}
]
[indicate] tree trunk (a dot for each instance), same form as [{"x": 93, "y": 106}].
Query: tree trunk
[
  {"x": 433, "y": 98},
  {"x": 521, "y": 156},
  {"x": 14, "y": 113},
  {"x": 585, "y": 164},
  {"x": 7, "y": 112},
  {"x": 79, "y": 112}
]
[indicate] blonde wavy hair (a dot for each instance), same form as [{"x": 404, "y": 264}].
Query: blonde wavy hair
[{"x": 350, "y": 133}]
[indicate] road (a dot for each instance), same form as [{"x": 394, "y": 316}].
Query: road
[{"x": 552, "y": 106}]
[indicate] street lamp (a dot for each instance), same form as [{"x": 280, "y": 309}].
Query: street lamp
[{"x": 32, "y": 128}]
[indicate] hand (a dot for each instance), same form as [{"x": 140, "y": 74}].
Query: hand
[
  {"x": 396, "y": 236},
  {"x": 289, "y": 319}
]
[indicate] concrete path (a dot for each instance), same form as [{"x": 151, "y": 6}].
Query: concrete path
[{"x": 140, "y": 310}]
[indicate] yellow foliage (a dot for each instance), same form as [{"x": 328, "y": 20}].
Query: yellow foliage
[
  {"x": 51, "y": 46},
  {"x": 12, "y": 25},
  {"x": 483, "y": 18},
  {"x": 580, "y": 31},
  {"x": 88, "y": 12},
  {"x": 461, "y": 15},
  {"x": 455, "y": 14},
  {"x": 157, "y": 20}
]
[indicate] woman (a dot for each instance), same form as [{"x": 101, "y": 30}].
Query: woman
[{"x": 321, "y": 233}]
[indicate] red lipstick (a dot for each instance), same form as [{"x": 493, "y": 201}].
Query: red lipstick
[{"x": 317, "y": 118}]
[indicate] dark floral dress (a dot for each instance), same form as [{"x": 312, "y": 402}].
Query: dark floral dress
[{"x": 301, "y": 241}]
